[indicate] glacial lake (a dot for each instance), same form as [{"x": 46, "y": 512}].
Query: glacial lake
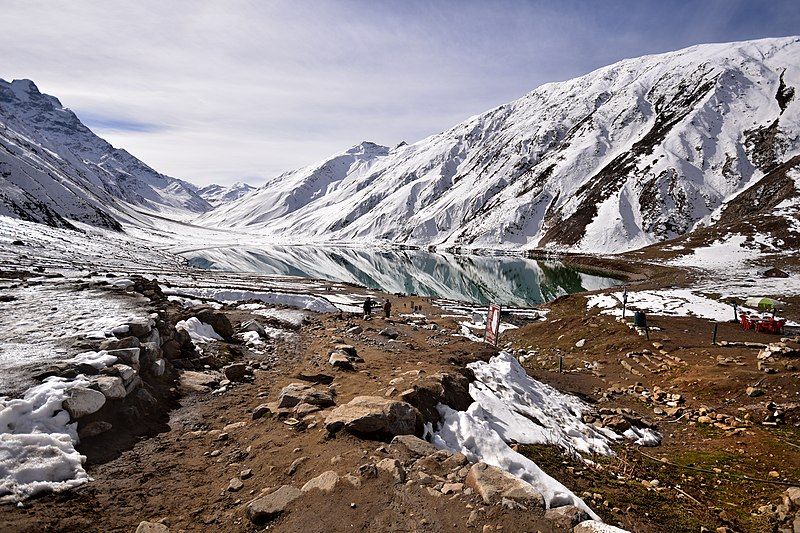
[{"x": 480, "y": 279}]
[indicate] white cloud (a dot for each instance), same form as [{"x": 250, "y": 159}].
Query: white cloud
[{"x": 218, "y": 91}]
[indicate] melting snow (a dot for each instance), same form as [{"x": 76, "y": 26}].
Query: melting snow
[{"x": 198, "y": 331}]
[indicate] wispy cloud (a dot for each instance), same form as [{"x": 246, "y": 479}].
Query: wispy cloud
[{"x": 216, "y": 91}]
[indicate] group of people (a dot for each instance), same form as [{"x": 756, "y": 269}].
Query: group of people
[{"x": 369, "y": 304}]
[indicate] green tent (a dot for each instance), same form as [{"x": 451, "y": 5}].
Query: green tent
[{"x": 763, "y": 303}]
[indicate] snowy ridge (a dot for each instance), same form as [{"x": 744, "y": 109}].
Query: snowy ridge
[
  {"x": 53, "y": 169},
  {"x": 217, "y": 195},
  {"x": 625, "y": 156}
]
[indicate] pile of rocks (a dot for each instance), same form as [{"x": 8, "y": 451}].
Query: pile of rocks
[
  {"x": 769, "y": 358},
  {"x": 410, "y": 463},
  {"x": 784, "y": 517}
]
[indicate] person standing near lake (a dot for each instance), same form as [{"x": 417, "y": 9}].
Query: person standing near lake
[
  {"x": 367, "y": 308},
  {"x": 387, "y": 308}
]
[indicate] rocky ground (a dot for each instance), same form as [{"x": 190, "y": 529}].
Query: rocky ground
[{"x": 306, "y": 425}]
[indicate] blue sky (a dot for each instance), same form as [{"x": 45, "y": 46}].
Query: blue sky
[{"x": 238, "y": 90}]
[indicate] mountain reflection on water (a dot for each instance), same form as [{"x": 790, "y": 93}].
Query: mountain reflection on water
[{"x": 507, "y": 280}]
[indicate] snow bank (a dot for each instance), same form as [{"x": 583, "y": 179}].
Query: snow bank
[
  {"x": 198, "y": 331},
  {"x": 667, "y": 302},
  {"x": 299, "y": 301},
  {"x": 37, "y": 442},
  {"x": 510, "y": 406},
  {"x": 289, "y": 316},
  {"x": 467, "y": 432}
]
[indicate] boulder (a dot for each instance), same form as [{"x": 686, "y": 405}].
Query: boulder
[
  {"x": 389, "y": 333},
  {"x": 375, "y": 416},
  {"x": 393, "y": 468},
  {"x": 297, "y": 393},
  {"x": 93, "y": 429},
  {"x": 445, "y": 388},
  {"x": 267, "y": 507},
  {"x": 236, "y": 371},
  {"x": 171, "y": 349},
  {"x": 139, "y": 327},
  {"x": 111, "y": 387},
  {"x": 355, "y": 330},
  {"x": 325, "y": 482},
  {"x": 340, "y": 361},
  {"x": 411, "y": 447},
  {"x": 197, "y": 381},
  {"x": 566, "y": 517},
  {"x": 126, "y": 355},
  {"x": 151, "y": 527},
  {"x": 347, "y": 349},
  {"x": 493, "y": 484},
  {"x": 116, "y": 344},
  {"x": 126, "y": 372},
  {"x": 217, "y": 320},
  {"x": 82, "y": 402},
  {"x": 262, "y": 411}
]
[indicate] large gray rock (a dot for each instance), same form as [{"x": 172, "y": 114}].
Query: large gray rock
[
  {"x": 411, "y": 447},
  {"x": 340, "y": 361},
  {"x": 82, "y": 402},
  {"x": 111, "y": 387},
  {"x": 267, "y": 507},
  {"x": 217, "y": 320},
  {"x": 566, "y": 517},
  {"x": 116, "y": 344},
  {"x": 376, "y": 416},
  {"x": 493, "y": 484},
  {"x": 325, "y": 482},
  {"x": 126, "y": 355},
  {"x": 192, "y": 381},
  {"x": 151, "y": 527},
  {"x": 140, "y": 327},
  {"x": 296, "y": 393}
]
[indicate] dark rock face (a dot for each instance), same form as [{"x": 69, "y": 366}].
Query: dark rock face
[
  {"x": 445, "y": 388},
  {"x": 218, "y": 321}
]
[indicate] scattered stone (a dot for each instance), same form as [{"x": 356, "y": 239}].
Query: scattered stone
[
  {"x": 236, "y": 371},
  {"x": 355, "y": 330},
  {"x": 389, "y": 333},
  {"x": 393, "y": 468},
  {"x": 126, "y": 355},
  {"x": 82, "y": 402},
  {"x": 267, "y": 507},
  {"x": 566, "y": 517},
  {"x": 373, "y": 415},
  {"x": 246, "y": 473},
  {"x": 151, "y": 527},
  {"x": 262, "y": 411},
  {"x": 410, "y": 446},
  {"x": 324, "y": 379},
  {"x": 295, "y": 465},
  {"x": 299, "y": 393},
  {"x": 340, "y": 361},
  {"x": 325, "y": 482},
  {"x": 754, "y": 392},
  {"x": 235, "y": 485},
  {"x": 581, "y": 343}
]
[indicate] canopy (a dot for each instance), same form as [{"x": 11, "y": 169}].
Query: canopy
[{"x": 763, "y": 303}]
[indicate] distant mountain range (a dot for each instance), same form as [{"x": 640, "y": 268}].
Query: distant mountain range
[{"x": 632, "y": 154}]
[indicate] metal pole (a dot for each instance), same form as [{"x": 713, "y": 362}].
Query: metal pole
[
  {"x": 714, "y": 335},
  {"x": 647, "y": 332},
  {"x": 735, "y": 313},
  {"x": 560, "y": 364}
]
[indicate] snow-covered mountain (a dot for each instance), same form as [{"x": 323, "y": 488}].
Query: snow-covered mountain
[
  {"x": 217, "y": 195},
  {"x": 53, "y": 169},
  {"x": 631, "y": 154}
]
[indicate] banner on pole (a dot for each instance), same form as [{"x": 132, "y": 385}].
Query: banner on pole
[{"x": 492, "y": 332}]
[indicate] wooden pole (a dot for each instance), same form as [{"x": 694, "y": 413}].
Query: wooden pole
[{"x": 714, "y": 335}]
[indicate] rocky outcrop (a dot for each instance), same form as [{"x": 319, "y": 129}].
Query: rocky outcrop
[
  {"x": 375, "y": 417},
  {"x": 446, "y": 388}
]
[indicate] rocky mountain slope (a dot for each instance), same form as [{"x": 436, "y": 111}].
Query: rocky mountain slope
[
  {"x": 53, "y": 169},
  {"x": 631, "y": 154},
  {"x": 217, "y": 195}
]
